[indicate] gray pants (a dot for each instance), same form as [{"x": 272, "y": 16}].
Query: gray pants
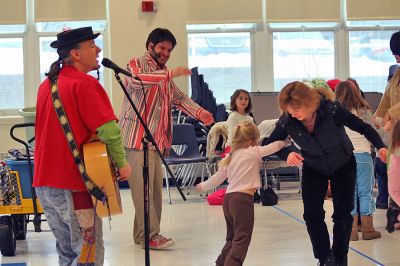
[
  {"x": 135, "y": 158},
  {"x": 59, "y": 209}
]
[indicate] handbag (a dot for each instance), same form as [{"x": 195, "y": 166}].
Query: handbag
[{"x": 268, "y": 196}]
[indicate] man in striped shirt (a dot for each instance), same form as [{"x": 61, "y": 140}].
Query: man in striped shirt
[{"x": 154, "y": 103}]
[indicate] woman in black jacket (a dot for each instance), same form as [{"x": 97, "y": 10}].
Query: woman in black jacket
[{"x": 316, "y": 125}]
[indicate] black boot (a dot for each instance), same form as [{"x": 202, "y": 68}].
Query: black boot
[
  {"x": 329, "y": 261},
  {"x": 391, "y": 215},
  {"x": 341, "y": 262}
]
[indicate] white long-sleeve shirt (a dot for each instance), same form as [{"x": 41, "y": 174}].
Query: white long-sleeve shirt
[
  {"x": 243, "y": 170},
  {"x": 360, "y": 142}
]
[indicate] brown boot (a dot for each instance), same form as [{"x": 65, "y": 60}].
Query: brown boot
[
  {"x": 368, "y": 230},
  {"x": 359, "y": 227},
  {"x": 354, "y": 232}
]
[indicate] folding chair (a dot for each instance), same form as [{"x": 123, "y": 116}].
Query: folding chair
[
  {"x": 185, "y": 153},
  {"x": 275, "y": 168}
]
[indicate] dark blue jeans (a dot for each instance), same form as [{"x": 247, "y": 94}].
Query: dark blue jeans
[{"x": 382, "y": 178}]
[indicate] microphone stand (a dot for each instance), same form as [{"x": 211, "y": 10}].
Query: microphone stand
[{"x": 148, "y": 138}]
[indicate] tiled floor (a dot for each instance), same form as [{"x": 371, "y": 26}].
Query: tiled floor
[{"x": 279, "y": 237}]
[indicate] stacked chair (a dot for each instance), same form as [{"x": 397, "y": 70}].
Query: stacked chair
[
  {"x": 189, "y": 142},
  {"x": 203, "y": 96}
]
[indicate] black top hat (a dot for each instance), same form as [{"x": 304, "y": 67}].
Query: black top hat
[
  {"x": 70, "y": 37},
  {"x": 395, "y": 43}
]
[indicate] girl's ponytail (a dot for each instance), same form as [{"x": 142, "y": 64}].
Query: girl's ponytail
[{"x": 244, "y": 132}]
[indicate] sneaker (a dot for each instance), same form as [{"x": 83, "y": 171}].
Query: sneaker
[{"x": 159, "y": 242}]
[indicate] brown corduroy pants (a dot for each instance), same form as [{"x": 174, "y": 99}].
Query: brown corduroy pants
[{"x": 239, "y": 215}]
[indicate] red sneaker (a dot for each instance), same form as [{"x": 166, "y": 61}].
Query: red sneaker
[{"x": 159, "y": 242}]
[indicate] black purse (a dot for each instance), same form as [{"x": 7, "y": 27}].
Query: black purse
[{"x": 268, "y": 196}]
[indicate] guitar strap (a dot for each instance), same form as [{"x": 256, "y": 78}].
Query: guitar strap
[
  {"x": 84, "y": 209},
  {"x": 93, "y": 189}
]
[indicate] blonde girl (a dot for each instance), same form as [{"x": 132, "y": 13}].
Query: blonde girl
[{"x": 241, "y": 168}]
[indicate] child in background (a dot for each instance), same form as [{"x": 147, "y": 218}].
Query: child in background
[
  {"x": 357, "y": 86},
  {"x": 241, "y": 168},
  {"x": 240, "y": 107},
  {"x": 394, "y": 168},
  {"x": 349, "y": 96}
]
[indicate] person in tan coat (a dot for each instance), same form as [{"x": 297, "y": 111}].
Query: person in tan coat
[{"x": 389, "y": 107}]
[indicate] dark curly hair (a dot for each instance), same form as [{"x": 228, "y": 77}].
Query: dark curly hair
[
  {"x": 159, "y": 35},
  {"x": 235, "y": 95}
]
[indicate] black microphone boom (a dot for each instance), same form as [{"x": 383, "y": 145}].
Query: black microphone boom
[{"x": 110, "y": 64}]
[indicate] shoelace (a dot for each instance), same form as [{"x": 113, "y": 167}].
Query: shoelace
[{"x": 159, "y": 238}]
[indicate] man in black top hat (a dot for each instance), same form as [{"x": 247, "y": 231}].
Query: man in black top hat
[{"x": 59, "y": 186}]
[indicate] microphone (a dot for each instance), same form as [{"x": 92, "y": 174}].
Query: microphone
[{"x": 110, "y": 64}]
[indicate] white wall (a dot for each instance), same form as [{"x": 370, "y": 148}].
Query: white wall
[
  {"x": 128, "y": 31},
  {"x": 7, "y": 142},
  {"x": 129, "y": 28}
]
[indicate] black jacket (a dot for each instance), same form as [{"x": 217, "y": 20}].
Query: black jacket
[{"x": 328, "y": 148}]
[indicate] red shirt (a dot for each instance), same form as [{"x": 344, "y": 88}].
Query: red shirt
[{"x": 87, "y": 106}]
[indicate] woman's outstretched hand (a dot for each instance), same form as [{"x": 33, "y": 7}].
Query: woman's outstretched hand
[{"x": 294, "y": 159}]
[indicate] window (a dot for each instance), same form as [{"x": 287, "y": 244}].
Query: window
[
  {"x": 370, "y": 48},
  {"x": 17, "y": 49},
  {"x": 48, "y": 55},
  {"x": 302, "y": 55},
  {"x": 11, "y": 73},
  {"x": 224, "y": 59}
]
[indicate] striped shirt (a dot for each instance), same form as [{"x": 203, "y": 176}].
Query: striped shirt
[{"x": 160, "y": 92}]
